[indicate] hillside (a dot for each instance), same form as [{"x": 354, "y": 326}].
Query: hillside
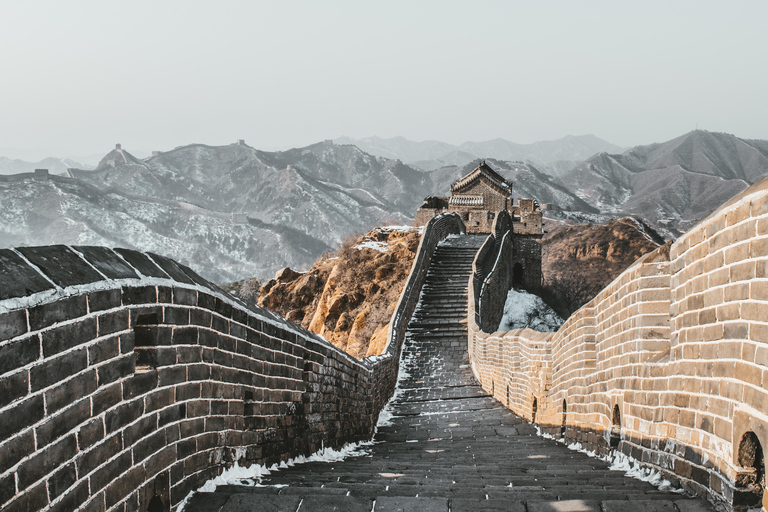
[
  {"x": 580, "y": 260},
  {"x": 325, "y": 191},
  {"x": 228, "y": 211},
  {"x": 674, "y": 184},
  {"x": 348, "y": 296},
  {"x": 66, "y": 211}
]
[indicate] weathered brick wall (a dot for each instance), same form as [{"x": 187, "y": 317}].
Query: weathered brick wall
[
  {"x": 669, "y": 363},
  {"x": 125, "y": 375}
]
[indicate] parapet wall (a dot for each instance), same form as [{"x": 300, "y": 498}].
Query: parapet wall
[
  {"x": 125, "y": 376},
  {"x": 669, "y": 363}
]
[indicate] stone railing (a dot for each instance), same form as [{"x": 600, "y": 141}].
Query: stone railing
[
  {"x": 668, "y": 364},
  {"x": 125, "y": 377},
  {"x": 492, "y": 273}
]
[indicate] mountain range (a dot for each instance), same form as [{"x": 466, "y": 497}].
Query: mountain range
[
  {"x": 54, "y": 165},
  {"x": 552, "y": 155},
  {"x": 673, "y": 184},
  {"x": 233, "y": 212}
]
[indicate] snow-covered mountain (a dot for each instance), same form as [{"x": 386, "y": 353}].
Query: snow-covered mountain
[
  {"x": 672, "y": 184},
  {"x": 234, "y": 212},
  {"x": 54, "y": 165},
  {"x": 227, "y": 211},
  {"x": 430, "y": 155}
]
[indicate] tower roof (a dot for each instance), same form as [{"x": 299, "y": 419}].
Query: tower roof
[{"x": 486, "y": 173}]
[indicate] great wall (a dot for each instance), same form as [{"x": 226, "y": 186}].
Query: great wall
[{"x": 127, "y": 381}]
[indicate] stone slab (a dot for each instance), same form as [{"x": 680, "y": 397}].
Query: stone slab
[
  {"x": 403, "y": 504},
  {"x": 337, "y": 504},
  {"x": 171, "y": 268},
  {"x": 107, "y": 262},
  {"x": 18, "y": 279},
  {"x": 259, "y": 503},
  {"x": 142, "y": 263},
  {"x": 61, "y": 265}
]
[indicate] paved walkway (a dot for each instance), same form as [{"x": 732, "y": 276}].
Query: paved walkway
[{"x": 451, "y": 447}]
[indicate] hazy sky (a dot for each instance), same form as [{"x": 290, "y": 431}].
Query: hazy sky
[{"x": 77, "y": 77}]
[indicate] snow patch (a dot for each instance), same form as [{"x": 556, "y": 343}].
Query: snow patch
[
  {"x": 370, "y": 244},
  {"x": 252, "y": 475},
  {"x": 523, "y": 309},
  {"x": 631, "y": 467}
]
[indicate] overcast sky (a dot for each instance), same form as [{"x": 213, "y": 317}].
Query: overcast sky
[{"x": 77, "y": 77}]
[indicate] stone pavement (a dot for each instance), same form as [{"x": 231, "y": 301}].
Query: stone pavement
[{"x": 450, "y": 447}]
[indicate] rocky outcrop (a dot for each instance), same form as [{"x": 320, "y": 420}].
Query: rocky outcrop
[
  {"x": 580, "y": 260},
  {"x": 348, "y": 296}
]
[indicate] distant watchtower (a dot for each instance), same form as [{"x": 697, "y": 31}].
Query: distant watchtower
[
  {"x": 478, "y": 197},
  {"x": 118, "y": 146}
]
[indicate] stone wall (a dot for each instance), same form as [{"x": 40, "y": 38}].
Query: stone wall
[
  {"x": 668, "y": 364},
  {"x": 125, "y": 376},
  {"x": 506, "y": 259}
]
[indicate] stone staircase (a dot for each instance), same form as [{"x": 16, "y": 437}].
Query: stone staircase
[{"x": 450, "y": 446}]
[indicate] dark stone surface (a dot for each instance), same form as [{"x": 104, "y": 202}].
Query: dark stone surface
[
  {"x": 57, "y": 369},
  {"x": 62, "y": 394},
  {"x": 20, "y": 416},
  {"x": 68, "y": 336},
  {"x": 61, "y": 265},
  {"x": 63, "y": 422},
  {"x": 142, "y": 263},
  {"x": 107, "y": 262},
  {"x": 18, "y": 279},
  {"x": 19, "y": 353},
  {"x": 16, "y": 449},
  {"x": 13, "y": 386},
  {"x": 106, "y": 299},
  {"x": 171, "y": 268},
  {"x": 262, "y": 503},
  {"x": 12, "y": 324},
  {"x": 45, "y": 315},
  {"x": 46, "y": 460}
]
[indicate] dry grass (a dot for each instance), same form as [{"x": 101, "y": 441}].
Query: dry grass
[{"x": 348, "y": 295}]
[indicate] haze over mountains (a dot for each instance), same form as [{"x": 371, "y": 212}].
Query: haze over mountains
[
  {"x": 54, "y": 165},
  {"x": 555, "y": 155},
  {"x": 233, "y": 212}
]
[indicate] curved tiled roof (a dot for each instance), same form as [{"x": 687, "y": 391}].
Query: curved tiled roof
[{"x": 482, "y": 171}]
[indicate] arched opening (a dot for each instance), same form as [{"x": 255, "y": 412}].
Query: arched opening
[
  {"x": 562, "y": 425},
  {"x": 156, "y": 505},
  {"x": 517, "y": 274},
  {"x": 752, "y": 477},
  {"x": 534, "y": 408},
  {"x": 616, "y": 428}
]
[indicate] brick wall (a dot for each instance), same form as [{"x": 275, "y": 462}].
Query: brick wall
[
  {"x": 669, "y": 363},
  {"x": 125, "y": 375}
]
